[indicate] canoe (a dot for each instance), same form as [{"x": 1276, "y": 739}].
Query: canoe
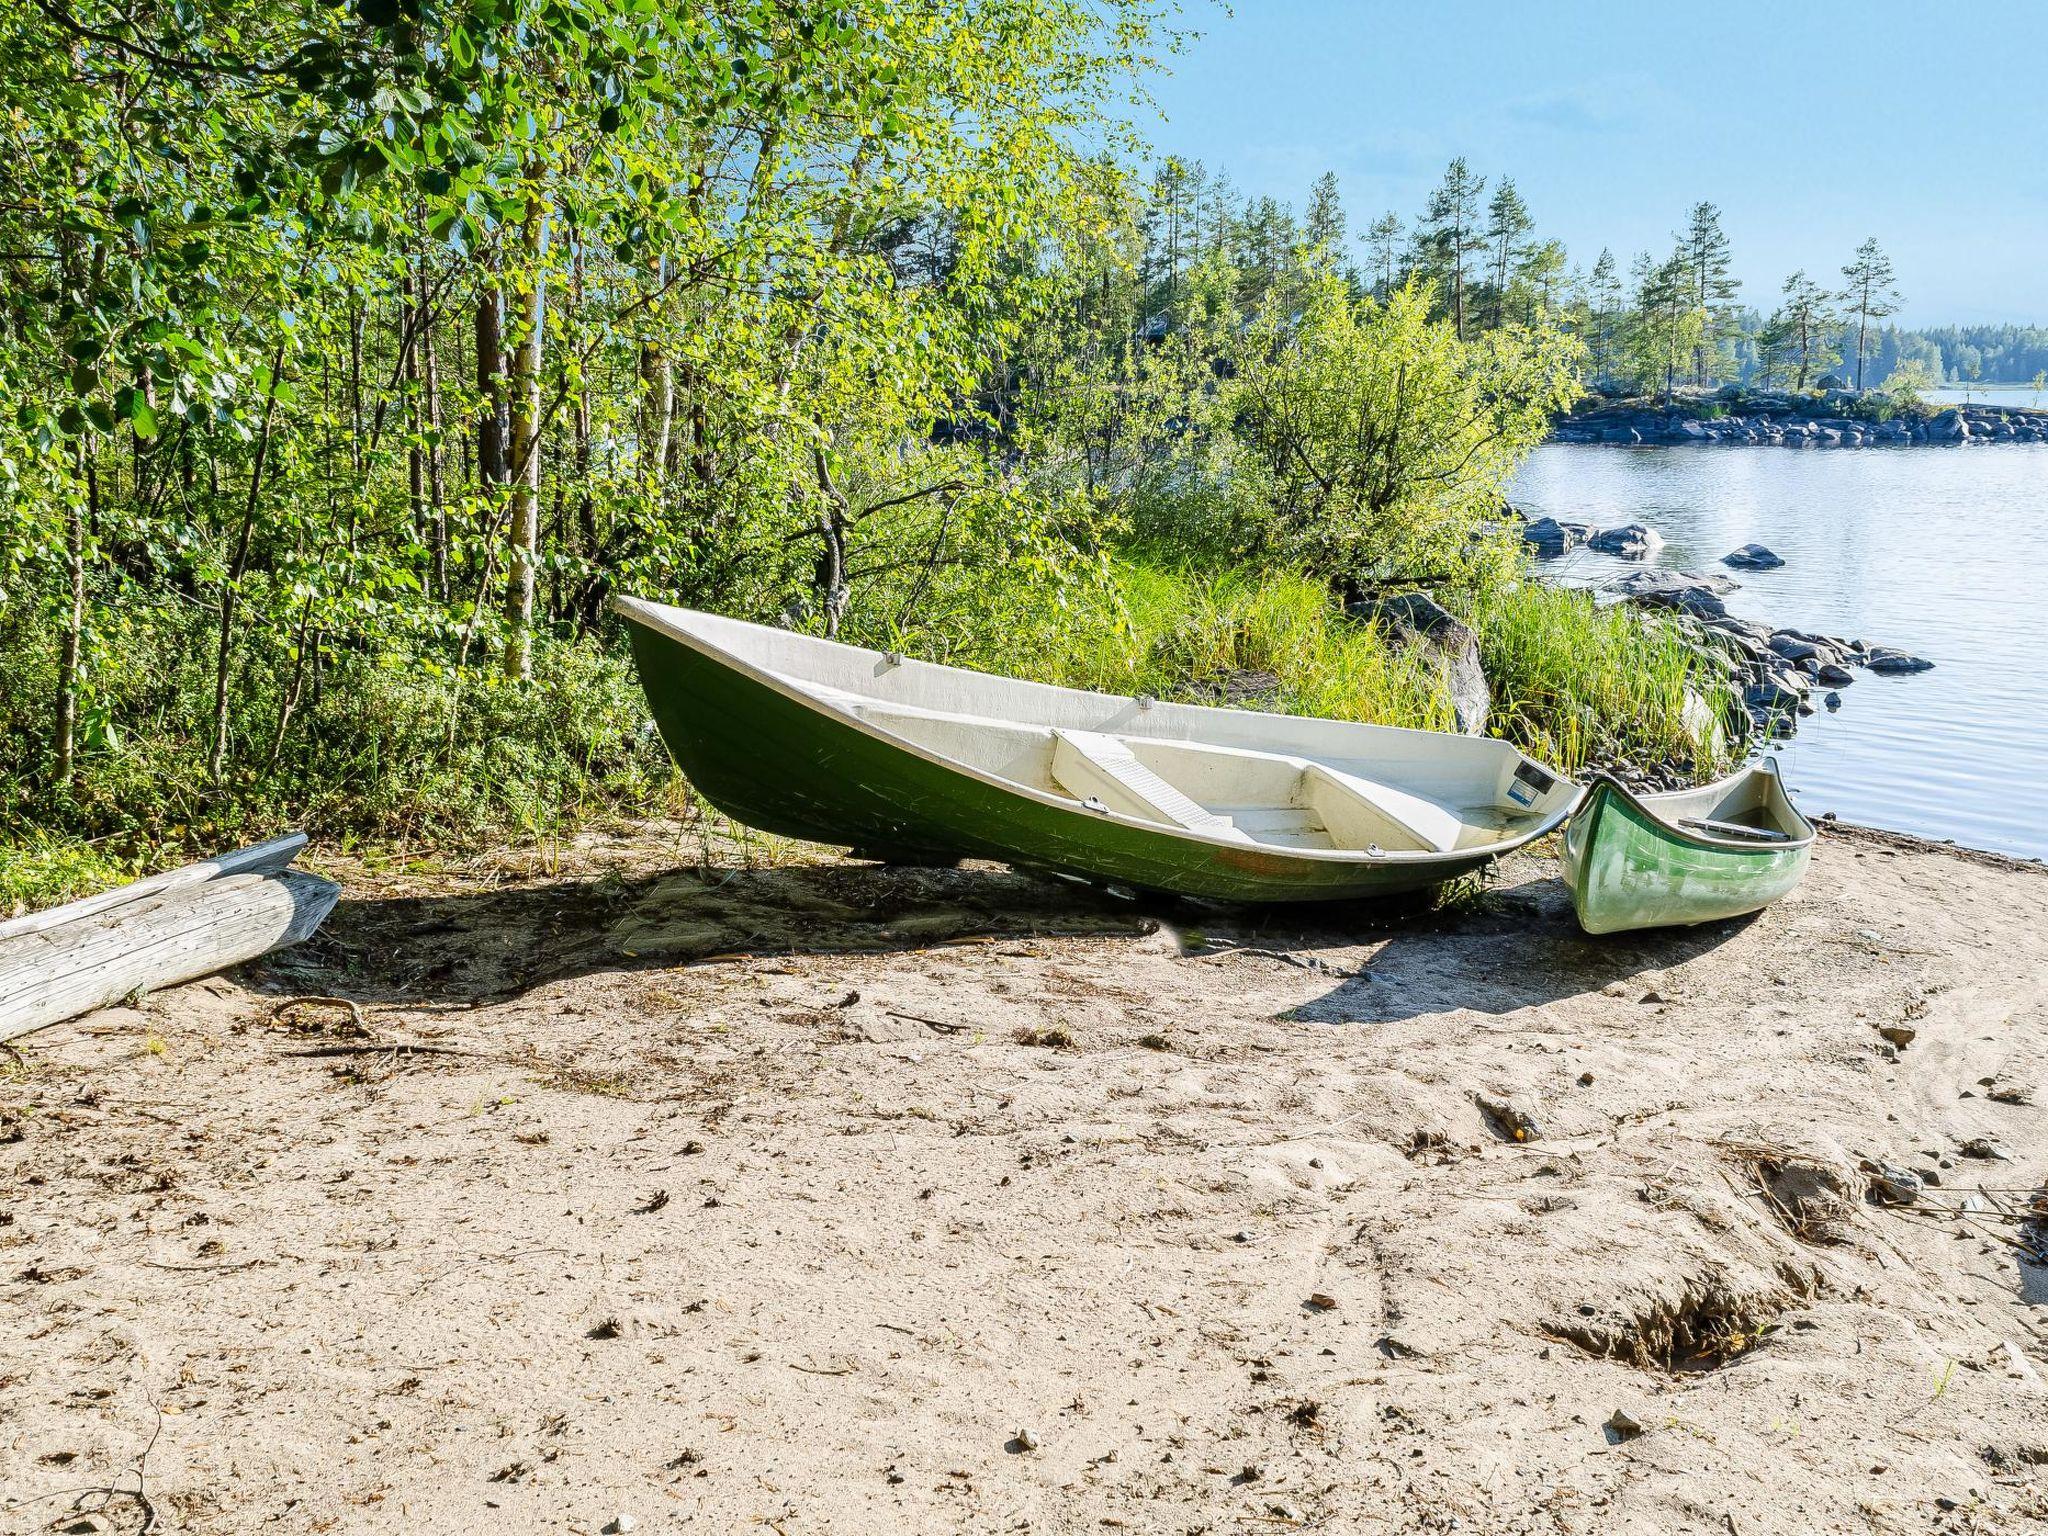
[
  {"x": 920, "y": 763},
  {"x": 1689, "y": 856}
]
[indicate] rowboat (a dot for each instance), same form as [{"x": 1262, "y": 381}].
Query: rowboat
[
  {"x": 1689, "y": 856},
  {"x": 919, "y": 763}
]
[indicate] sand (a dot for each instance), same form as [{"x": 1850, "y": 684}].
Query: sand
[{"x": 1007, "y": 1206}]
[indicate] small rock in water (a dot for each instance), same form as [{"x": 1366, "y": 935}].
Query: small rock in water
[
  {"x": 1889, "y": 659},
  {"x": 1833, "y": 674},
  {"x": 1753, "y": 557},
  {"x": 1634, "y": 542},
  {"x": 1833, "y": 702}
]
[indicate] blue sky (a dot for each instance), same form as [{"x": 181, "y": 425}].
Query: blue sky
[{"x": 1811, "y": 124}]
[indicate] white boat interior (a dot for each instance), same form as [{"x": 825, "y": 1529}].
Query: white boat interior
[{"x": 1236, "y": 776}]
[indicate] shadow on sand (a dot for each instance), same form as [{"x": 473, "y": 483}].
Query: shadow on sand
[
  {"x": 490, "y": 945},
  {"x": 1506, "y": 948}
]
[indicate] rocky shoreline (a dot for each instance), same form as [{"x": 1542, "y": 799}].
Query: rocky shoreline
[
  {"x": 1839, "y": 419},
  {"x": 1776, "y": 672}
]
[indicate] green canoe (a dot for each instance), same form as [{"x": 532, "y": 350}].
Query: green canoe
[
  {"x": 1690, "y": 856},
  {"x": 911, "y": 761}
]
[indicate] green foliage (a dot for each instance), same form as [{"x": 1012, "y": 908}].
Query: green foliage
[
  {"x": 1375, "y": 444},
  {"x": 1577, "y": 682},
  {"x": 38, "y": 869}
]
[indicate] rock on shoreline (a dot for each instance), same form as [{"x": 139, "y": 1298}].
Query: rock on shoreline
[{"x": 1776, "y": 670}]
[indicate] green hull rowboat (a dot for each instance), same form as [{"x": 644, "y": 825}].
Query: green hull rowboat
[
  {"x": 913, "y": 762},
  {"x": 1690, "y": 856}
]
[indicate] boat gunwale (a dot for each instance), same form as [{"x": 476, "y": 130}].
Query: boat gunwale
[
  {"x": 648, "y": 615},
  {"x": 1600, "y": 780}
]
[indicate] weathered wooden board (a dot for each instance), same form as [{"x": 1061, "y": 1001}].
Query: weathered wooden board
[
  {"x": 262, "y": 859},
  {"x": 157, "y": 940}
]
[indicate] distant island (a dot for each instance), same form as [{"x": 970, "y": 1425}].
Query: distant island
[{"x": 1834, "y": 418}]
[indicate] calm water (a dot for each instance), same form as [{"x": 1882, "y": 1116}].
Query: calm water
[
  {"x": 1987, "y": 394},
  {"x": 1942, "y": 551}
]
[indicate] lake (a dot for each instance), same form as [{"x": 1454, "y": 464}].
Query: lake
[
  {"x": 1986, "y": 394},
  {"x": 1940, "y": 551}
]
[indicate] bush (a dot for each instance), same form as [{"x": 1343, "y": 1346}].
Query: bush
[{"x": 380, "y": 745}]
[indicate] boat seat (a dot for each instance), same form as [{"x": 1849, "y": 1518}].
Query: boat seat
[
  {"x": 1432, "y": 826},
  {"x": 1091, "y": 765}
]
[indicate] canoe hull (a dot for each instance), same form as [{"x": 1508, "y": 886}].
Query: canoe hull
[
  {"x": 777, "y": 763},
  {"x": 1629, "y": 870}
]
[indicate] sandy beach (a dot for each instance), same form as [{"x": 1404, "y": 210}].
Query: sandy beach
[{"x": 670, "y": 1183}]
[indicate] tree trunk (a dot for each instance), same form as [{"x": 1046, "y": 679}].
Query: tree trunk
[
  {"x": 490, "y": 385},
  {"x": 217, "y": 756},
  {"x": 412, "y": 315},
  {"x": 430, "y": 406},
  {"x": 525, "y": 466},
  {"x": 657, "y": 415},
  {"x": 64, "y": 742}
]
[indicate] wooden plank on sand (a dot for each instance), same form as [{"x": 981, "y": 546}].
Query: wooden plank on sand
[{"x": 178, "y": 932}]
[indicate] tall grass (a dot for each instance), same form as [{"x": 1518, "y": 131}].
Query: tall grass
[
  {"x": 1576, "y": 682},
  {"x": 1273, "y": 640},
  {"x": 396, "y": 751}
]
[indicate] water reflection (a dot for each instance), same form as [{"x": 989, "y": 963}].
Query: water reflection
[{"x": 1940, "y": 551}]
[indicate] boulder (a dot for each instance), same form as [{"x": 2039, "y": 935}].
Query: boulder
[
  {"x": 1779, "y": 691},
  {"x": 1633, "y": 542},
  {"x": 1752, "y": 557},
  {"x": 1793, "y": 647},
  {"x": 1888, "y": 659},
  {"x": 1417, "y": 619},
  {"x": 1949, "y": 427},
  {"x": 1550, "y": 538},
  {"x": 1835, "y": 675},
  {"x": 1699, "y": 596}
]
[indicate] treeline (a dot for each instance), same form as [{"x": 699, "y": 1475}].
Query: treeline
[
  {"x": 1664, "y": 320},
  {"x": 1970, "y": 354},
  {"x": 355, "y": 354}
]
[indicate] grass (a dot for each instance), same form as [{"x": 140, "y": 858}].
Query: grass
[
  {"x": 1273, "y": 640},
  {"x": 39, "y": 869},
  {"x": 1576, "y": 682}
]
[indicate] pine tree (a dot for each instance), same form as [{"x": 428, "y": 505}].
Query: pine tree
[
  {"x": 1711, "y": 287},
  {"x": 1507, "y": 229},
  {"x": 1383, "y": 246},
  {"x": 1871, "y": 294},
  {"x": 1451, "y": 236},
  {"x": 1796, "y": 334},
  {"x": 1325, "y": 225},
  {"x": 1603, "y": 308}
]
